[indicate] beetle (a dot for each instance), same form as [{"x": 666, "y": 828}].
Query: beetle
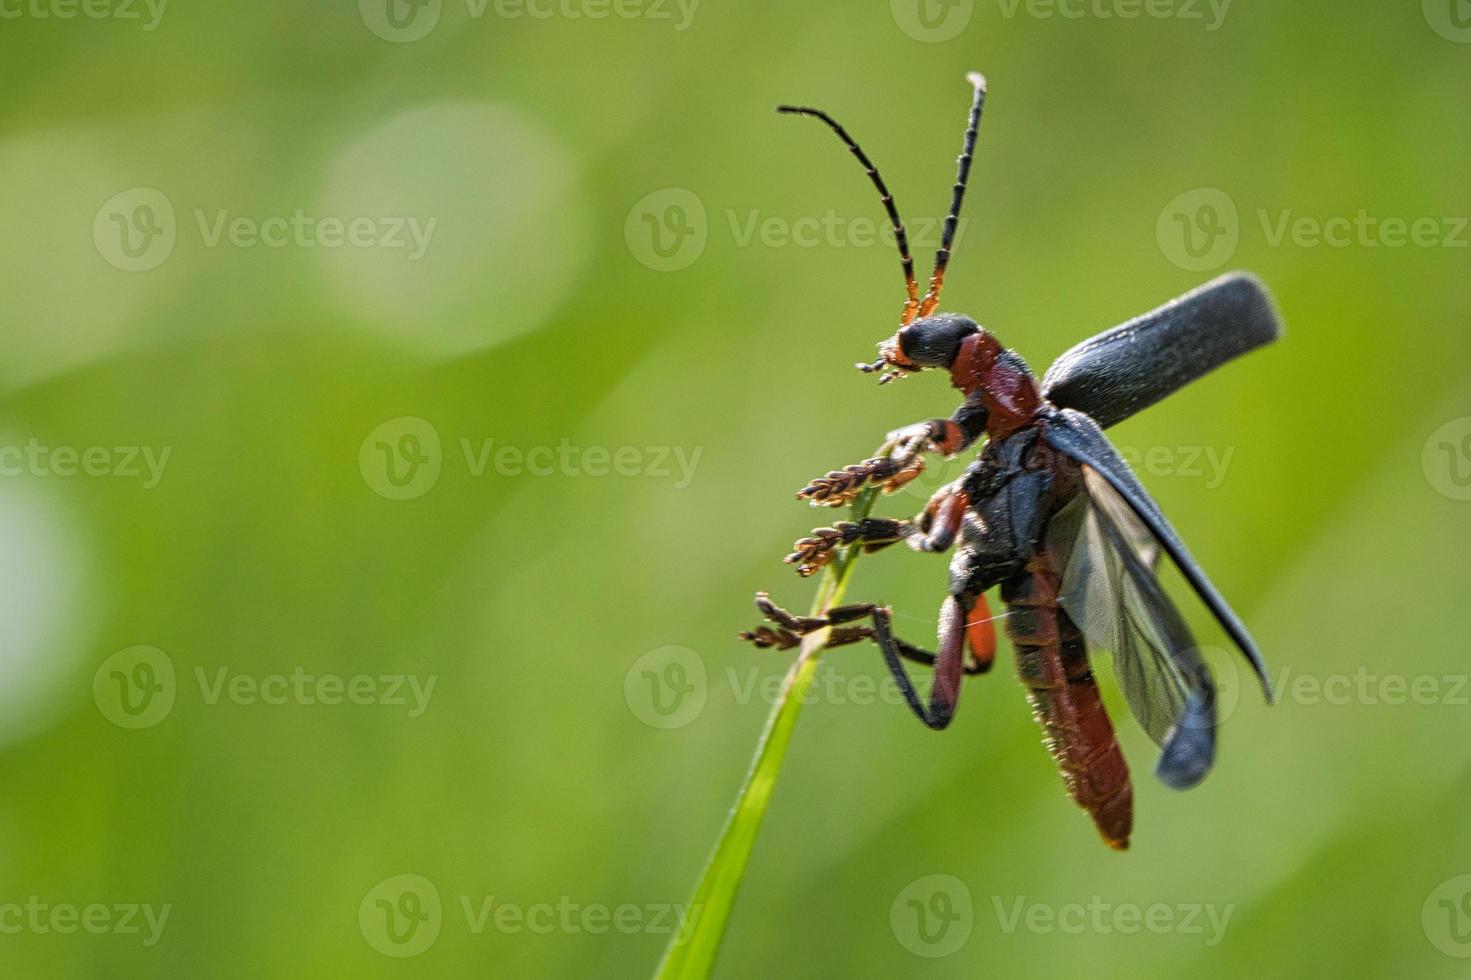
[{"x": 1050, "y": 514}]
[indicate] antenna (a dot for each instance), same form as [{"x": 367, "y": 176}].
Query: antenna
[
  {"x": 911, "y": 305},
  {"x": 942, "y": 257}
]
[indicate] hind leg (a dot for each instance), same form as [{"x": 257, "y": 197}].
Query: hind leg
[{"x": 950, "y": 663}]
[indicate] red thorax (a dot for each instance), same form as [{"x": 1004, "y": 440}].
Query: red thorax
[{"x": 1008, "y": 391}]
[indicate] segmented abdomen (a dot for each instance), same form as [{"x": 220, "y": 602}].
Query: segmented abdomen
[{"x": 1052, "y": 662}]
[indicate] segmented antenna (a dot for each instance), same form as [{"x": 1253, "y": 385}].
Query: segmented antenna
[
  {"x": 911, "y": 305},
  {"x": 942, "y": 257}
]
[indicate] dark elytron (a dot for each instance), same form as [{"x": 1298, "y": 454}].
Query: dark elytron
[{"x": 1050, "y": 515}]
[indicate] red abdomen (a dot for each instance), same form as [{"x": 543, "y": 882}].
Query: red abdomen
[{"x": 1052, "y": 662}]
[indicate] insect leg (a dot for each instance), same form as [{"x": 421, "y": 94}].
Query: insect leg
[
  {"x": 940, "y": 521},
  {"x": 789, "y": 630},
  {"x": 764, "y": 637},
  {"x": 949, "y": 665},
  {"x": 817, "y": 549},
  {"x": 905, "y": 461},
  {"x": 932, "y": 530},
  {"x": 980, "y": 635}
]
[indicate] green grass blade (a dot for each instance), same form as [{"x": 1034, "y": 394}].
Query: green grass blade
[{"x": 691, "y": 954}]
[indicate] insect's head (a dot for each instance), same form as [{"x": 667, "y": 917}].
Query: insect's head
[
  {"x": 926, "y": 339},
  {"x": 928, "y": 342},
  {"x": 995, "y": 381}
]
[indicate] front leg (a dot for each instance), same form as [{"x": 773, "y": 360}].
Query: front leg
[
  {"x": 904, "y": 459},
  {"x": 932, "y": 530}
]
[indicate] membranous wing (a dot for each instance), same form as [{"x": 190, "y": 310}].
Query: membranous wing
[
  {"x": 1107, "y": 558},
  {"x": 1077, "y": 436}
]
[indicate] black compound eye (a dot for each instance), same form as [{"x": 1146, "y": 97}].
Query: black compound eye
[{"x": 935, "y": 340}]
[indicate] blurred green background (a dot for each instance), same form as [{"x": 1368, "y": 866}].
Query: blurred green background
[{"x": 208, "y": 252}]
